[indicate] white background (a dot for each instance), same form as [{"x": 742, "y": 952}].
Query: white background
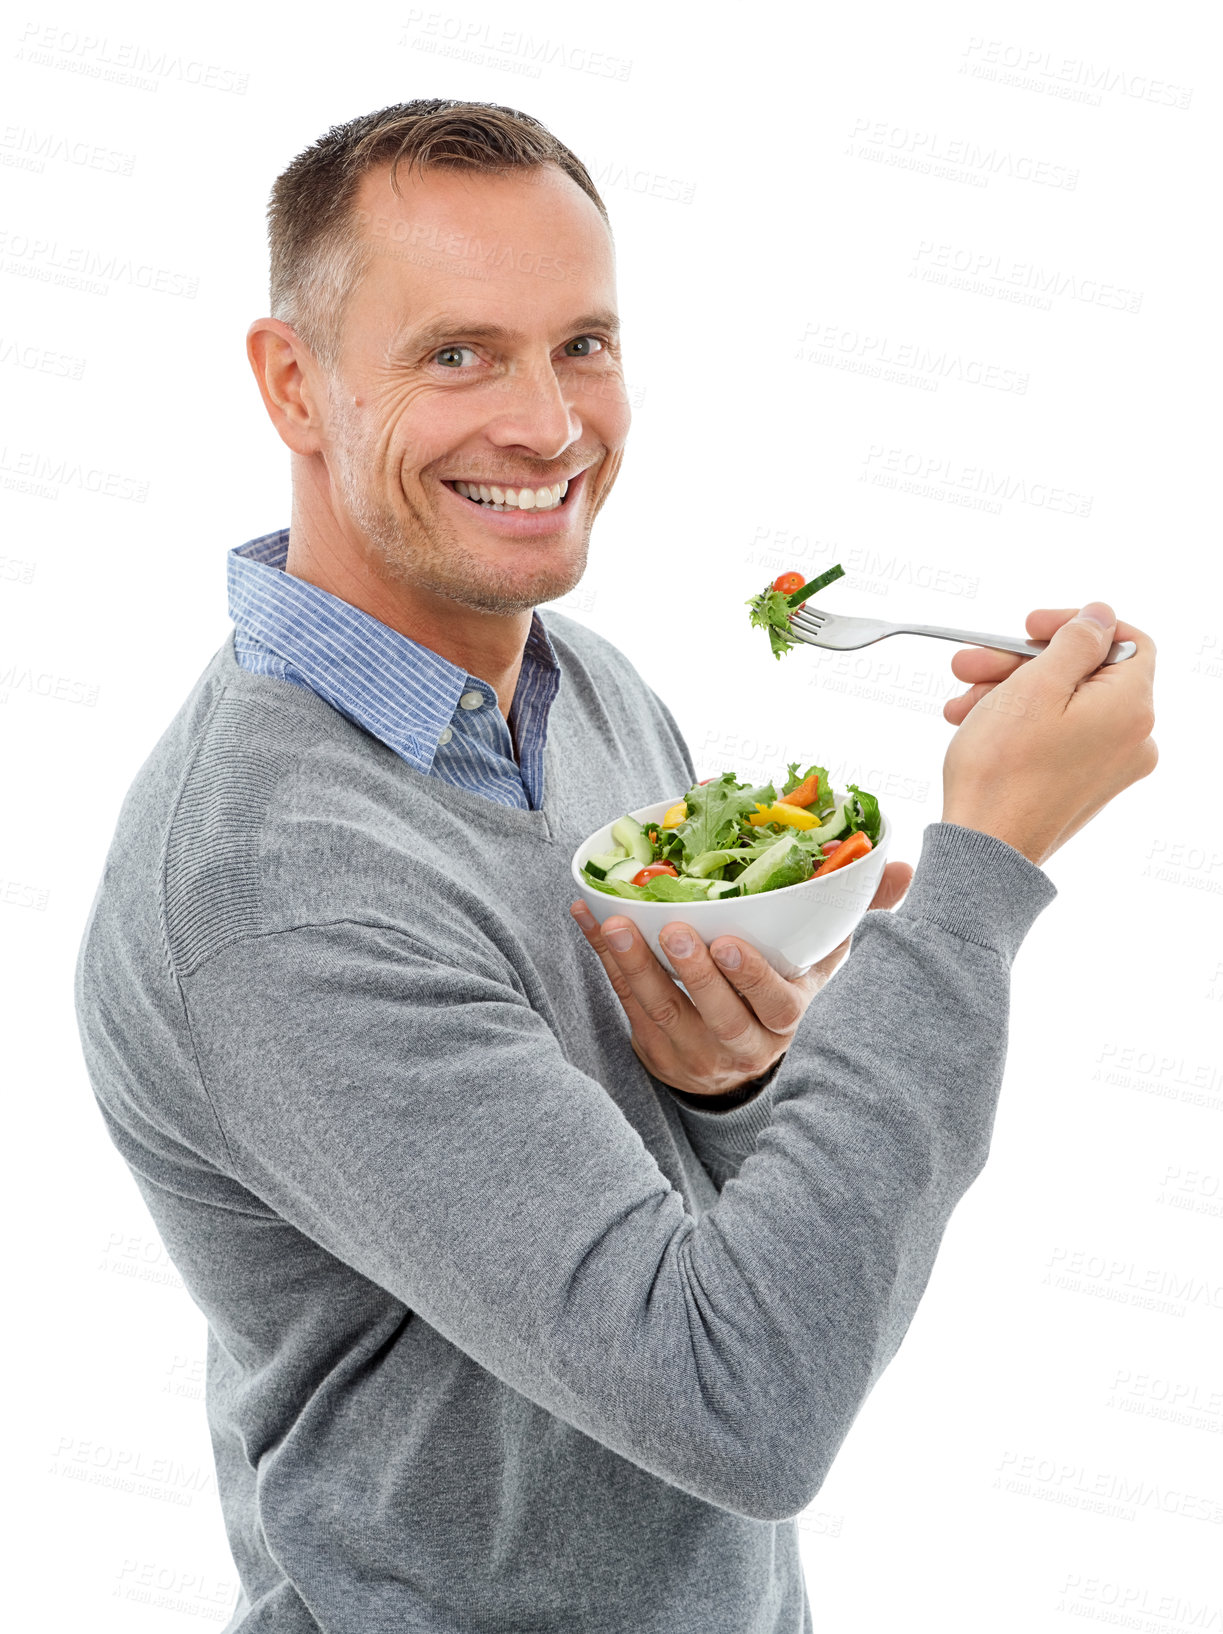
[{"x": 1046, "y": 1444}]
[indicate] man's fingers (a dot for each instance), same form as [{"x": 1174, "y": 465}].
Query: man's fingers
[
  {"x": 737, "y": 1003},
  {"x": 649, "y": 997},
  {"x": 659, "y": 1011},
  {"x": 772, "y": 1001},
  {"x": 893, "y": 883},
  {"x": 955, "y": 710},
  {"x": 1041, "y": 624},
  {"x": 992, "y": 664},
  {"x": 1134, "y": 673},
  {"x": 589, "y": 927},
  {"x": 984, "y": 664}
]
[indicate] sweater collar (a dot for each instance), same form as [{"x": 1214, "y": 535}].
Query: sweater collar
[{"x": 401, "y": 691}]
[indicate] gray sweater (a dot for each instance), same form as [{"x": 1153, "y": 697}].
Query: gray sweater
[{"x": 502, "y": 1337}]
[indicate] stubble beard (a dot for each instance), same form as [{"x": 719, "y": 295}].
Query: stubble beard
[{"x": 425, "y": 552}]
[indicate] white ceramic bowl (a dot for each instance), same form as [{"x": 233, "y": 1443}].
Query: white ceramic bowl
[{"x": 792, "y": 926}]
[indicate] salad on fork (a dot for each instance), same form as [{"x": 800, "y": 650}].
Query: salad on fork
[
  {"x": 779, "y": 609},
  {"x": 788, "y": 593}
]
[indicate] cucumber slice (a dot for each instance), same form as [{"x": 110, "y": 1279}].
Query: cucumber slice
[
  {"x": 597, "y": 866},
  {"x": 833, "y": 828},
  {"x": 629, "y": 833},
  {"x": 786, "y": 863},
  {"x": 723, "y": 887},
  {"x": 623, "y": 870}
]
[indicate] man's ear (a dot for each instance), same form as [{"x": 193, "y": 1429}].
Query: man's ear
[{"x": 286, "y": 374}]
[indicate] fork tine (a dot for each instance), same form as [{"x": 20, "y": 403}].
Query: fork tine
[
  {"x": 806, "y": 632},
  {"x": 809, "y": 620}
]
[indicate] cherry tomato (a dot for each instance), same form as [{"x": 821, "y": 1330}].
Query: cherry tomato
[
  {"x": 788, "y": 583},
  {"x": 707, "y": 780},
  {"x": 829, "y": 846},
  {"x": 647, "y": 873}
]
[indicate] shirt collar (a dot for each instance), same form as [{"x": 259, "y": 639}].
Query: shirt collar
[{"x": 402, "y": 692}]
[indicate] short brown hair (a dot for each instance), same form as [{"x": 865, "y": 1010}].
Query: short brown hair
[{"x": 318, "y": 256}]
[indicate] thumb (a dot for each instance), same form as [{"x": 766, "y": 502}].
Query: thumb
[{"x": 1079, "y": 646}]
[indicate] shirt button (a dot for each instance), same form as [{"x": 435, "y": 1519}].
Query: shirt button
[
  {"x": 471, "y": 700},
  {"x": 445, "y": 735}
]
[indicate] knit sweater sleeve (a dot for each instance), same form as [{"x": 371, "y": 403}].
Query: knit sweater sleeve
[
  {"x": 722, "y": 1139},
  {"x": 418, "y": 1119}
]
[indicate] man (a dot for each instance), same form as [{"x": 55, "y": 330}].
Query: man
[{"x": 536, "y": 1300}]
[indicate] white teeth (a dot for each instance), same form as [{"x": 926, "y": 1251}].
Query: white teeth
[{"x": 508, "y": 499}]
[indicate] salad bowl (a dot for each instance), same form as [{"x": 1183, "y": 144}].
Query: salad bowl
[{"x": 792, "y": 926}]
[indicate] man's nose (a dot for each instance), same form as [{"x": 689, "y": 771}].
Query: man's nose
[{"x": 534, "y": 412}]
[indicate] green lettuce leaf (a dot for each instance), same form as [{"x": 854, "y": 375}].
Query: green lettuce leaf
[
  {"x": 771, "y": 611},
  {"x": 865, "y": 815},
  {"x": 714, "y": 811},
  {"x": 665, "y": 888},
  {"x": 618, "y": 887},
  {"x": 823, "y": 796}
]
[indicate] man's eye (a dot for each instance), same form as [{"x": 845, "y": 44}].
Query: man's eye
[
  {"x": 449, "y": 353},
  {"x": 591, "y": 343}
]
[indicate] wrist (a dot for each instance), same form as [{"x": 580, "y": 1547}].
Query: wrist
[
  {"x": 1025, "y": 845},
  {"x": 731, "y": 1098}
]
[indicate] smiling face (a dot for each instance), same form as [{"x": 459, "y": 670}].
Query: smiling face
[{"x": 480, "y": 349}]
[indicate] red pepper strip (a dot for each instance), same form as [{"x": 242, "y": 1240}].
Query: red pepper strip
[
  {"x": 857, "y": 845},
  {"x": 804, "y": 794}
]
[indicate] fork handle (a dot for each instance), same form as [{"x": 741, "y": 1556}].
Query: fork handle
[{"x": 1007, "y": 643}]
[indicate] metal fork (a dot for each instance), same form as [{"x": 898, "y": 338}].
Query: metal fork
[{"x": 842, "y": 634}]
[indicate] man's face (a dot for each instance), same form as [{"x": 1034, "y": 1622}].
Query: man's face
[{"x": 427, "y": 393}]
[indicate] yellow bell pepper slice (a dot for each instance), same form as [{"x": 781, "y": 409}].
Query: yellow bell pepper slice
[
  {"x": 787, "y": 816},
  {"x": 675, "y": 815}
]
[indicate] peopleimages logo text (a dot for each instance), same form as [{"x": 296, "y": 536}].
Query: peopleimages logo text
[
  {"x": 1030, "y": 66},
  {"x": 937, "y": 470},
  {"x": 962, "y": 152},
  {"x": 100, "y": 57}
]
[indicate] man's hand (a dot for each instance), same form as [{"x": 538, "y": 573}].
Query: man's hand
[
  {"x": 1044, "y": 743},
  {"x": 739, "y": 1018}
]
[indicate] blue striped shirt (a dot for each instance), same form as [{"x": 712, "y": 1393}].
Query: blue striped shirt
[{"x": 433, "y": 714}]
